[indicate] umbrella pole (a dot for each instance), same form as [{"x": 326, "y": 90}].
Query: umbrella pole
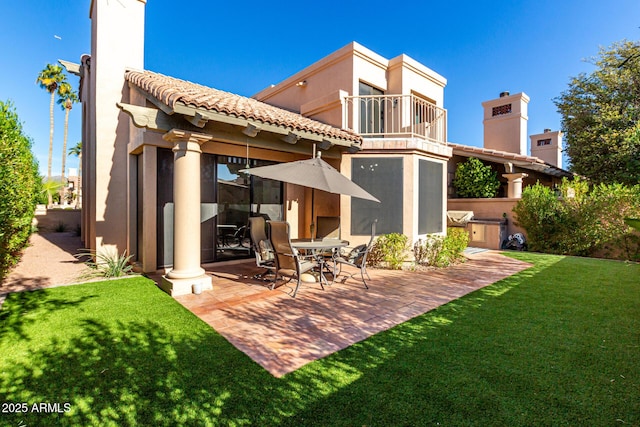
[{"x": 312, "y": 226}]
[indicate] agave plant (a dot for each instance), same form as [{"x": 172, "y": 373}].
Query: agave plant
[{"x": 107, "y": 263}]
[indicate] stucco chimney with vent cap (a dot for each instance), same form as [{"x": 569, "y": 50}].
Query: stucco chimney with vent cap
[
  {"x": 505, "y": 123},
  {"x": 547, "y": 146}
]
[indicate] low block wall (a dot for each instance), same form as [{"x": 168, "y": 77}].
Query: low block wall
[{"x": 50, "y": 219}]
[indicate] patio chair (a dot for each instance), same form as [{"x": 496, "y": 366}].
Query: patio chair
[
  {"x": 261, "y": 247},
  {"x": 328, "y": 227},
  {"x": 289, "y": 264},
  {"x": 355, "y": 257}
]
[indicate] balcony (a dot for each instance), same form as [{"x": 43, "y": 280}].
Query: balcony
[{"x": 395, "y": 116}]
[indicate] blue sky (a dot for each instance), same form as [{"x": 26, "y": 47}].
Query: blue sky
[{"x": 481, "y": 47}]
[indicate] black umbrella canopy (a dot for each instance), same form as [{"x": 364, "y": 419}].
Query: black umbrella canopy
[{"x": 312, "y": 173}]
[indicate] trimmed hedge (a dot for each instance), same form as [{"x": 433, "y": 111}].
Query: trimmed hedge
[{"x": 19, "y": 184}]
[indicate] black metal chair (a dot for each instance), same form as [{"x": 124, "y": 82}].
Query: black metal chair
[
  {"x": 261, "y": 246},
  {"x": 289, "y": 264},
  {"x": 356, "y": 258}
]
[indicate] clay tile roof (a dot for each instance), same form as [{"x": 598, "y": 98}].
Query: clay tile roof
[
  {"x": 534, "y": 163},
  {"x": 171, "y": 91}
]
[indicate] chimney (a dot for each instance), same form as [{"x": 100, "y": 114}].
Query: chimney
[
  {"x": 547, "y": 146},
  {"x": 505, "y": 123},
  {"x": 117, "y": 44}
]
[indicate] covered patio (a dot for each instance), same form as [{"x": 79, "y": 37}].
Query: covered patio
[{"x": 282, "y": 333}]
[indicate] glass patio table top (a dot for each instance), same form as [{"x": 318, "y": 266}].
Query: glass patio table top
[{"x": 318, "y": 244}]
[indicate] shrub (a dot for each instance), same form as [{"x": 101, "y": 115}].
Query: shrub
[
  {"x": 455, "y": 243},
  {"x": 582, "y": 221},
  {"x": 428, "y": 251},
  {"x": 389, "y": 250},
  {"x": 475, "y": 180},
  {"x": 440, "y": 251},
  {"x": 540, "y": 213},
  {"x": 19, "y": 183}
]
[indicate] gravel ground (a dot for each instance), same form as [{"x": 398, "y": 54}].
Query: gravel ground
[{"x": 48, "y": 261}]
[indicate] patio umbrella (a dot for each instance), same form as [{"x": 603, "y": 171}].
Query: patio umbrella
[{"x": 313, "y": 173}]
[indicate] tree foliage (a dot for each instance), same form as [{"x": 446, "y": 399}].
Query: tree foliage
[
  {"x": 19, "y": 184},
  {"x": 601, "y": 117},
  {"x": 474, "y": 179}
]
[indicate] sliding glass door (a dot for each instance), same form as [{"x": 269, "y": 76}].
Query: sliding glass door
[{"x": 228, "y": 197}]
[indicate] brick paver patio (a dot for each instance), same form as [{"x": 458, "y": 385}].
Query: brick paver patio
[{"x": 283, "y": 333}]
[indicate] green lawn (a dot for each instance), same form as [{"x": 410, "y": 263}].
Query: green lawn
[{"x": 558, "y": 344}]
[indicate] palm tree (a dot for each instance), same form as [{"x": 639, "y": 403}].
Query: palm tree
[
  {"x": 77, "y": 151},
  {"x": 49, "y": 188},
  {"x": 49, "y": 78},
  {"x": 66, "y": 98}
]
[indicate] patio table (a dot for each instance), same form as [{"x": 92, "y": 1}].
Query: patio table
[{"x": 317, "y": 248}]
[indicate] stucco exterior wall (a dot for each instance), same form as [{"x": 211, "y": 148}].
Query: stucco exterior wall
[
  {"x": 112, "y": 51},
  {"x": 317, "y": 91},
  {"x": 407, "y": 76},
  {"x": 51, "y": 219},
  {"x": 324, "y": 77}
]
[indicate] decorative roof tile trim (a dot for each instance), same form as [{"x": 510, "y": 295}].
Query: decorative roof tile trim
[{"x": 171, "y": 91}]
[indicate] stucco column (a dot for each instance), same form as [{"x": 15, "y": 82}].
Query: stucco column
[
  {"x": 514, "y": 189},
  {"x": 186, "y": 270}
]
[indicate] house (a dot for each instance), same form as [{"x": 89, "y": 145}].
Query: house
[{"x": 162, "y": 157}]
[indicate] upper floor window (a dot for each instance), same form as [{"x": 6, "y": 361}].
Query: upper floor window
[
  {"x": 542, "y": 142},
  {"x": 500, "y": 110}
]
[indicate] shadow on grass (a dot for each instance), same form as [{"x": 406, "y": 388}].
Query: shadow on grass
[
  {"x": 136, "y": 373},
  {"x": 34, "y": 306},
  {"x": 494, "y": 357}
]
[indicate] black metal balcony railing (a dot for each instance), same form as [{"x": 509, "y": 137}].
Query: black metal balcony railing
[{"x": 395, "y": 116}]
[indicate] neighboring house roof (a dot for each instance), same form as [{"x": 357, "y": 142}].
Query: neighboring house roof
[
  {"x": 175, "y": 93},
  {"x": 520, "y": 160}
]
